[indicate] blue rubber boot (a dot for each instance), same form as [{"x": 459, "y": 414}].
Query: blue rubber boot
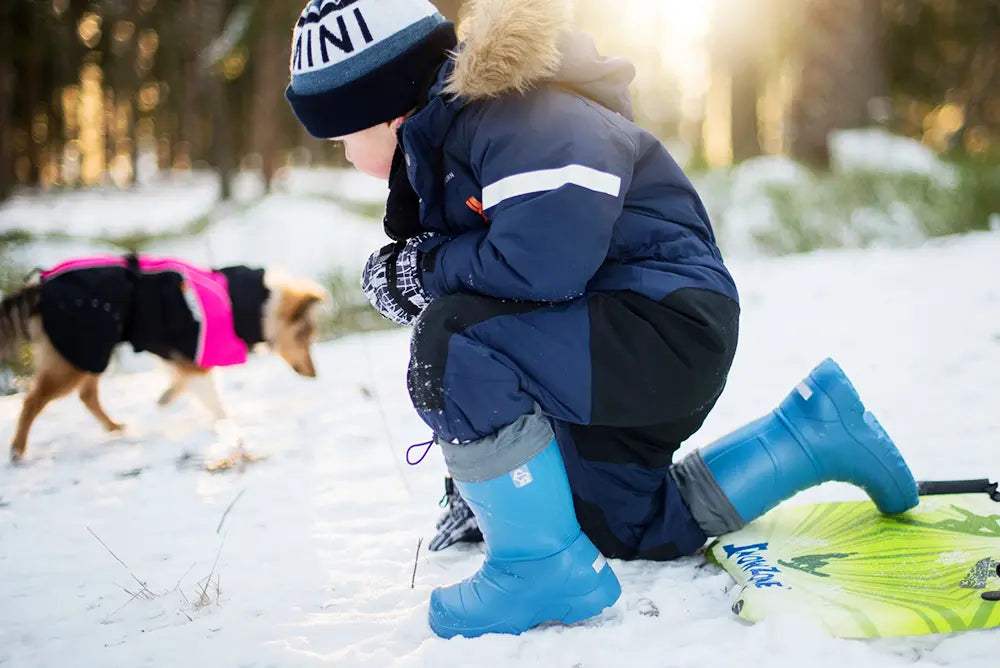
[
  {"x": 539, "y": 565},
  {"x": 820, "y": 432}
]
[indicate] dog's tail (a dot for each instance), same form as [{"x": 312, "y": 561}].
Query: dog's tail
[{"x": 16, "y": 310}]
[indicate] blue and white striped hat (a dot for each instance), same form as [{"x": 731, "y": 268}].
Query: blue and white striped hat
[{"x": 358, "y": 63}]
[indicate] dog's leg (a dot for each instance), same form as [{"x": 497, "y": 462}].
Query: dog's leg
[
  {"x": 204, "y": 386},
  {"x": 178, "y": 383},
  {"x": 88, "y": 395},
  {"x": 56, "y": 378}
]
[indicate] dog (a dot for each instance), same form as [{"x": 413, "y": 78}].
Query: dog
[{"x": 196, "y": 319}]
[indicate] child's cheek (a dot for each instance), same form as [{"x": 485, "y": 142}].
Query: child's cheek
[{"x": 373, "y": 165}]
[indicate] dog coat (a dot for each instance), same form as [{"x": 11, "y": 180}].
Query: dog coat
[{"x": 160, "y": 305}]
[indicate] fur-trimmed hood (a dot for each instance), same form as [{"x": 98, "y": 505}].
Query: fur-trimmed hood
[{"x": 510, "y": 46}]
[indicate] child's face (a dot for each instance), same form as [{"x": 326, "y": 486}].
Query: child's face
[{"x": 371, "y": 150}]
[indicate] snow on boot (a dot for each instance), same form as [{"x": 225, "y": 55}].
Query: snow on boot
[
  {"x": 820, "y": 432},
  {"x": 539, "y": 565}
]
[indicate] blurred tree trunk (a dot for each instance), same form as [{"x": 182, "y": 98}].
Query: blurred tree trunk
[
  {"x": 65, "y": 70},
  {"x": 842, "y": 71},
  {"x": 6, "y": 129},
  {"x": 29, "y": 82},
  {"x": 740, "y": 52},
  {"x": 173, "y": 119},
  {"x": 743, "y": 109},
  {"x": 123, "y": 78},
  {"x": 270, "y": 71},
  {"x": 983, "y": 79},
  {"x": 7, "y": 77},
  {"x": 213, "y": 19},
  {"x": 222, "y": 144},
  {"x": 191, "y": 130}
]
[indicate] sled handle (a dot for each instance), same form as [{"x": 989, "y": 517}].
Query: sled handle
[{"x": 982, "y": 485}]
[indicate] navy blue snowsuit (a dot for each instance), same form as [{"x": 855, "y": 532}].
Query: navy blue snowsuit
[{"x": 580, "y": 274}]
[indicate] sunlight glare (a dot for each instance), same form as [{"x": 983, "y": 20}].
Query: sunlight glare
[{"x": 677, "y": 30}]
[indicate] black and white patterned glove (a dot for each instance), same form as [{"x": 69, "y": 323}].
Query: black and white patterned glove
[
  {"x": 392, "y": 279},
  {"x": 457, "y": 524}
]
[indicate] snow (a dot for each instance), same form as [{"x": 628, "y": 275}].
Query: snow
[
  {"x": 876, "y": 150},
  {"x": 348, "y": 184},
  {"x": 745, "y": 202},
  {"x": 165, "y": 206},
  {"x": 171, "y": 202},
  {"x": 308, "y": 237},
  {"x": 881, "y": 190},
  {"x": 772, "y": 206},
  {"x": 48, "y": 253},
  {"x": 752, "y": 176},
  {"x": 316, "y": 553}
]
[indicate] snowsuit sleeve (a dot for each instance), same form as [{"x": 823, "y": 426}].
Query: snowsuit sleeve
[{"x": 553, "y": 186}]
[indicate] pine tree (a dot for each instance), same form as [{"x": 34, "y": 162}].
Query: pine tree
[{"x": 842, "y": 72}]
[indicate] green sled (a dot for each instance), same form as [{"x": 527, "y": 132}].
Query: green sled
[{"x": 861, "y": 574}]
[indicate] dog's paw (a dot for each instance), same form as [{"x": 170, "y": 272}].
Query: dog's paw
[
  {"x": 16, "y": 455},
  {"x": 236, "y": 462},
  {"x": 115, "y": 427}
]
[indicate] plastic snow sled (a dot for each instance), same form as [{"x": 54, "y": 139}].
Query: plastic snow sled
[{"x": 861, "y": 574}]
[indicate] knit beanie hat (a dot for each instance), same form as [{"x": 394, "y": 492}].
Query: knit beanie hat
[{"x": 358, "y": 63}]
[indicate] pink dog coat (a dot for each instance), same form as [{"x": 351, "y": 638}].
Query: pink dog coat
[{"x": 161, "y": 305}]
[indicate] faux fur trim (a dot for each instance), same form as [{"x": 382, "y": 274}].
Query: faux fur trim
[{"x": 508, "y": 46}]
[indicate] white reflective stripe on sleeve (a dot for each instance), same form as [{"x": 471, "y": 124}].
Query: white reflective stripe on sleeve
[{"x": 544, "y": 180}]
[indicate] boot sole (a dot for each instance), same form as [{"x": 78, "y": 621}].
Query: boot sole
[
  {"x": 572, "y": 611},
  {"x": 585, "y": 606},
  {"x": 567, "y": 609},
  {"x": 576, "y": 609}
]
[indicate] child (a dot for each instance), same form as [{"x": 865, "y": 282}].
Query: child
[{"x": 573, "y": 319}]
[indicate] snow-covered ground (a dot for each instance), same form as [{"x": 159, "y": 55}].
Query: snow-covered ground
[
  {"x": 162, "y": 207},
  {"x": 306, "y": 558},
  {"x": 306, "y": 236},
  {"x": 310, "y": 237},
  {"x": 168, "y": 204}
]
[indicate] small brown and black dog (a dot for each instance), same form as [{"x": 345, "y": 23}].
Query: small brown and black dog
[{"x": 194, "y": 318}]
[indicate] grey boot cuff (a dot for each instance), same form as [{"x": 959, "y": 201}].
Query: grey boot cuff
[
  {"x": 504, "y": 451},
  {"x": 709, "y": 505}
]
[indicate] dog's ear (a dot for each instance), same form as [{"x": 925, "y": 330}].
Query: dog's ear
[{"x": 301, "y": 304}]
